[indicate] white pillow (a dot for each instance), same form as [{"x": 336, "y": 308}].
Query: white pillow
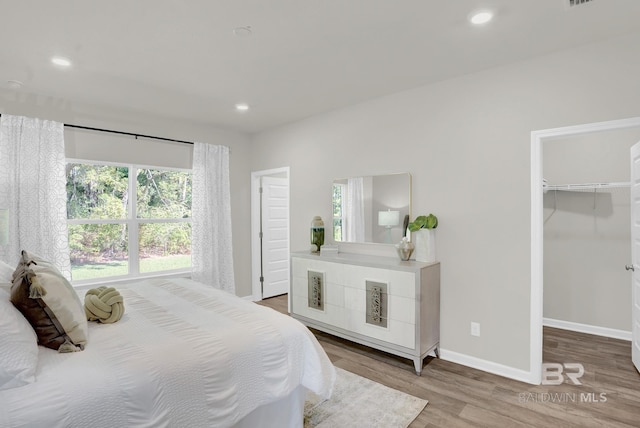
[
  {"x": 6, "y": 272},
  {"x": 18, "y": 347}
]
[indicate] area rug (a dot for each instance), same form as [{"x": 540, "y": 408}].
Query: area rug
[{"x": 360, "y": 402}]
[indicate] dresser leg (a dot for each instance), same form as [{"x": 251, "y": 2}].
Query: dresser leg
[{"x": 417, "y": 363}]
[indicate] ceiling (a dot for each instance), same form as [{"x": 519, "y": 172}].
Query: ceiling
[{"x": 303, "y": 57}]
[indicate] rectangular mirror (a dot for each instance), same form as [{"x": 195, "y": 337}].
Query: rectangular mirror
[{"x": 371, "y": 208}]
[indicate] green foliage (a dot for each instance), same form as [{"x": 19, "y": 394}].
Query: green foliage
[
  {"x": 424, "y": 222},
  {"x": 337, "y": 229},
  {"x": 164, "y": 239},
  {"x": 337, "y": 201},
  {"x": 163, "y": 194},
  {"x": 94, "y": 241},
  {"x": 97, "y": 191},
  {"x": 337, "y": 212}
]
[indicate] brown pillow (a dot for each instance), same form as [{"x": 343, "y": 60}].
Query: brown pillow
[{"x": 50, "y": 304}]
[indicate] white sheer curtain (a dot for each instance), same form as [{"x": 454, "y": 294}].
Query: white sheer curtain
[
  {"x": 354, "y": 210},
  {"x": 33, "y": 190},
  {"x": 211, "y": 248}
]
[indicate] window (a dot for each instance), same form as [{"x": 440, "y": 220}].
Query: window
[
  {"x": 339, "y": 191},
  {"x": 127, "y": 220}
]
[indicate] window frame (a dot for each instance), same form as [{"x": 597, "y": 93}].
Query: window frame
[{"x": 132, "y": 222}]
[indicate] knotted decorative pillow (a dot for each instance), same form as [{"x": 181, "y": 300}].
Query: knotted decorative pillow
[{"x": 103, "y": 304}]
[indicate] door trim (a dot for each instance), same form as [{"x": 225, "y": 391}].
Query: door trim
[
  {"x": 634, "y": 154},
  {"x": 537, "y": 228},
  {"x": 256, "y": 289}
]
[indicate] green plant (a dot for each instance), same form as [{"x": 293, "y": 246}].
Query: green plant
[{"x": 424, "y": 222}]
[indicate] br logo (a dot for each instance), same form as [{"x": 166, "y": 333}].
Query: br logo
[{"x": 552, "y": 373}]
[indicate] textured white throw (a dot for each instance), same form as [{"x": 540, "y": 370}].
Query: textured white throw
[{"x": 183, "y": 354}]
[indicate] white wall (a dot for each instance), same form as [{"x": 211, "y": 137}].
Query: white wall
[
  {"x": 109, "y": 147},
  {"x": 466, "y": 141},
  {"x": 21, "y": 103},
  {"x": 587, "y": 238}
]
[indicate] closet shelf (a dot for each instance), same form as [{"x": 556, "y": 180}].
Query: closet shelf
[{"x": 585, "y": 187}]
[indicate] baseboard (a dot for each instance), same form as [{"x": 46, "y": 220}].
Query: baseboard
[
  {"x": 586, "y": 328},
  {"x": 488, "y": 366},
  {"x": 249, "y": 298}
]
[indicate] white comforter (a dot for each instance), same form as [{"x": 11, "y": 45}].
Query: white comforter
[{"x": 183, "y": 355}]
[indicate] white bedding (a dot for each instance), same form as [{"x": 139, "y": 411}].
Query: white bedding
[{"x": 183, "y": 355}]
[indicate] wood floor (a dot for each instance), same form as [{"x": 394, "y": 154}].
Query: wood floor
[{"x": 463, "y": 397}]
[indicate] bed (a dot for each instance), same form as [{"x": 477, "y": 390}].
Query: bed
[{"x": 182, "y": 355}]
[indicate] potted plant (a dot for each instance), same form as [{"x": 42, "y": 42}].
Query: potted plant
[
  {"x": 424, "y": 222},
  {"x": 425, "y": 239}
]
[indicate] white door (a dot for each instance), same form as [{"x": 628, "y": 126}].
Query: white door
[
  {"x": 635, "y": 254},
  {"x": 275, "y": 236}
]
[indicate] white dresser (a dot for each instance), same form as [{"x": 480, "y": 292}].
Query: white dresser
[{"x": 380, "y": 302}]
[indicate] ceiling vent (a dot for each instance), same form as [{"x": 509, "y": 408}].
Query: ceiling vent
[{"x": 574, "y": 3}]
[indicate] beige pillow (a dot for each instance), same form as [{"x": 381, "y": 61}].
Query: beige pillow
[{"x": 50, "y": 304}]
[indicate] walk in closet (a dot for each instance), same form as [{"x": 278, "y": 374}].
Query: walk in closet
[{"x": 587, "y": 239}]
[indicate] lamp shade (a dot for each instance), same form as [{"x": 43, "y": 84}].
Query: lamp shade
[{"x": 388, "y": 218}]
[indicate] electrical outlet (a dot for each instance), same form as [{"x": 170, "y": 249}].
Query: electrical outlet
[{"x": 475, "y": 329}]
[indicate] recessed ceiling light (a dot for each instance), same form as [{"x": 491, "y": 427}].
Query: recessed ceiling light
[
  {"x": 242, "y": 107},
  {"x": 481, "y": 18},
  {"x": 62, "y": 62}
]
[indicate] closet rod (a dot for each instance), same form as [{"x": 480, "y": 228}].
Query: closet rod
[{"x": 88, "y": 128}]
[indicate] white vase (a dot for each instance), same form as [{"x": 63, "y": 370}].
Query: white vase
[{"x": 425, "y": 242}]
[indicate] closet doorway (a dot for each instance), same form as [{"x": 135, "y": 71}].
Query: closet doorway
[
  {"x": 587, "y": 234},
  {"x": 578, "y": 212},
  {"x": 270, "y": 265}
]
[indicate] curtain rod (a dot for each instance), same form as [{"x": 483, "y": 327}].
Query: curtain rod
[
  {"x": 88, "y": 128},
  {"x": 128, "y": 133}
]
